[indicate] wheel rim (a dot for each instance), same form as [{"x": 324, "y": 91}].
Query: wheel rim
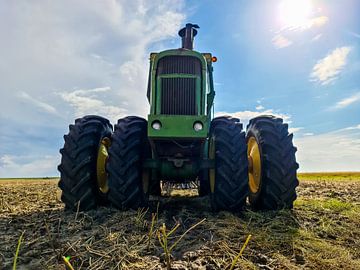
[
  {"x": 212, "y": 170},
  {"x": 254, "y": 158},
  {"x": 101, "y": 165}
]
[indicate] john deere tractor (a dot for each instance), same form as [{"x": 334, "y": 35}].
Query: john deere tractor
[{"x": 180, "y": 141}]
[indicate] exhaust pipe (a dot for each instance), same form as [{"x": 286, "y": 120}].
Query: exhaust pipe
[{"x": 187, "y": 35}]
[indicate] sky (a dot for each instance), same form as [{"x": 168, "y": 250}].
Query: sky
[{"x": 297, "y": 59}]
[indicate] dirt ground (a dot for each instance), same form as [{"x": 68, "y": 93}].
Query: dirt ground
[{"x": 322, "y": 232}]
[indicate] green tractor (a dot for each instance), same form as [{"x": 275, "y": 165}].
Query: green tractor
[{"x": 180, "y": 141}]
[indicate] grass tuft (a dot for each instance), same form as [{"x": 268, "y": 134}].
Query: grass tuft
[{"x": 17, "y": 250}]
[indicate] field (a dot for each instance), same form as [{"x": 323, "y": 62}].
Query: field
[{"x": 321, "y": 232}]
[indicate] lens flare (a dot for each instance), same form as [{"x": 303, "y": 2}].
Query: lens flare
[{"x": 295, "y": 13}]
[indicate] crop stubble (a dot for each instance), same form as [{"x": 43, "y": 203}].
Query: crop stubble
[{"x": 322, "y": 231}]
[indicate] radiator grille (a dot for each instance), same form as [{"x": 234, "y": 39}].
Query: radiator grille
[
  {"x": 179, "y": 64},
  {"x": 178, "y": 96}
]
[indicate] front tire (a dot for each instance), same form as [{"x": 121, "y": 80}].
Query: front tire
[
  {"x": 78, "y": 170},
  {"x": 231, "y": 164},
  {"x": 272, "y": 178},
  {"x": 127, "y": 152}
]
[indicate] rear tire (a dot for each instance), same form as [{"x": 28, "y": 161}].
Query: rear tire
[
  {"x": 231, "y": 164},
  {"x": 278, "y": 164},
  {"x": 78, "y": 178},
  {"x": 127, "y": 152}
]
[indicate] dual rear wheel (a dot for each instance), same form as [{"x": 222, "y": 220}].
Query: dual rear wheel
[
  {"x": 100, "y": 166},
  {"x": 260, "y": 165}
]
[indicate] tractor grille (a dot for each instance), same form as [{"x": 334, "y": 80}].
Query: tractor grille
[
  {"x": 179, "y": 64},
  {"x": 178, "y": 96}
]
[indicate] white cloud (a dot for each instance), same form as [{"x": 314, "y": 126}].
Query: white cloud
[
  {"x": 65, "y": 46},
  {"x": 332, "y": 151},
  {"x": 245, "y": 116},
  {"x": 328, "y": 69},
  {"x": 346, "y": 102},
  {"x": 281, "y": 38},
  {"x": 86, "y": 101},
  {"x": 308, "y": 134},
  {"x": 353, "y": 128},
  {"x": 60, "y": 53},
  {"x": 295, "y": 129},
  {"x": 259, "y": 107},
  {"x": 354, "y": 34},
  {"x": 307, "y": 24},
  {"x": 280, "y": 41},
  {"x": 317, "y": 37},
  {"x": 317, "y": 22},
  {"x": 42, "y": 105},
  {"x": 28, "y": 166}
]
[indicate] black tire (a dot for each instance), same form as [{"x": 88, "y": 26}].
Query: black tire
[
  {"x": 126, "y": 155},
  {"x": 278, "y": 164},
  {"x": 78, "y": 178},
  {"x": 231, "y": 164}
]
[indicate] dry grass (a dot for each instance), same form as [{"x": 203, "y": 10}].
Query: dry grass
[
  {"x": 322, "y": 232},
  {"x": 331, "y": 176}
]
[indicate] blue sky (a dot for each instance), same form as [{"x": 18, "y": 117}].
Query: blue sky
[{"x": 299, "y": 59}]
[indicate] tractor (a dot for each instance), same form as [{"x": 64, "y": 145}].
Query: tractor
[{"x": 180, "y": 141}]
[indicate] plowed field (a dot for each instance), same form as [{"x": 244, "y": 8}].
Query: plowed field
[{"x": 321, "y": 232}]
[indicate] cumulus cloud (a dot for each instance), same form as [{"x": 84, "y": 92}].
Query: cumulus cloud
[
  {"x": 346, "y": 102},
  {"x": 65, "y": 46},
  {"x": 280, "y": 41},
  {"x": 314, "y": 153},
  {"x": 245, "y": 116},
  {"x": 69, "y": 59},
  {"x": 328, "y": 69},
  {"x": 86, "y": 101}
]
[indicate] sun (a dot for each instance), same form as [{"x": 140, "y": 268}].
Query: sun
[{"x": 295, "y": 13}]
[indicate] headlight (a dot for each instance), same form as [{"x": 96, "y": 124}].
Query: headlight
[
  {"x": 198, "y": 126},
  {"x": 156, "y": 125}
]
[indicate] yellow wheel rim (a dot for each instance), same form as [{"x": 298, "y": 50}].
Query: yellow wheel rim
[
  {"x": 254, "y": 159},
  {"x": 101, "y": 165},
  {"x": 212, "y": 157}
]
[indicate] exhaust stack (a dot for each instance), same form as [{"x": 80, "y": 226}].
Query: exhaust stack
[{"x": 187, "y": 35}]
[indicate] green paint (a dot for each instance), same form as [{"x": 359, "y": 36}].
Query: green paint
[
  {"x": 205, "y": 83},
  {"x": 180, "y": 126},
  {"x": 177, "y": 126}
]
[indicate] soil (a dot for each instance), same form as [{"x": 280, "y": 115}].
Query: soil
[{"x": 322, "y": 232}]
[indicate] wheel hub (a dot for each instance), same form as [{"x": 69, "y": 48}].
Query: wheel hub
[
  {"x": 101, "y": 165},
  {"x": 254, "y": 160}
]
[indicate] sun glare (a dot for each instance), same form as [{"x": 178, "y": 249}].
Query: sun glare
[{"x": 295, "y": 13}]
